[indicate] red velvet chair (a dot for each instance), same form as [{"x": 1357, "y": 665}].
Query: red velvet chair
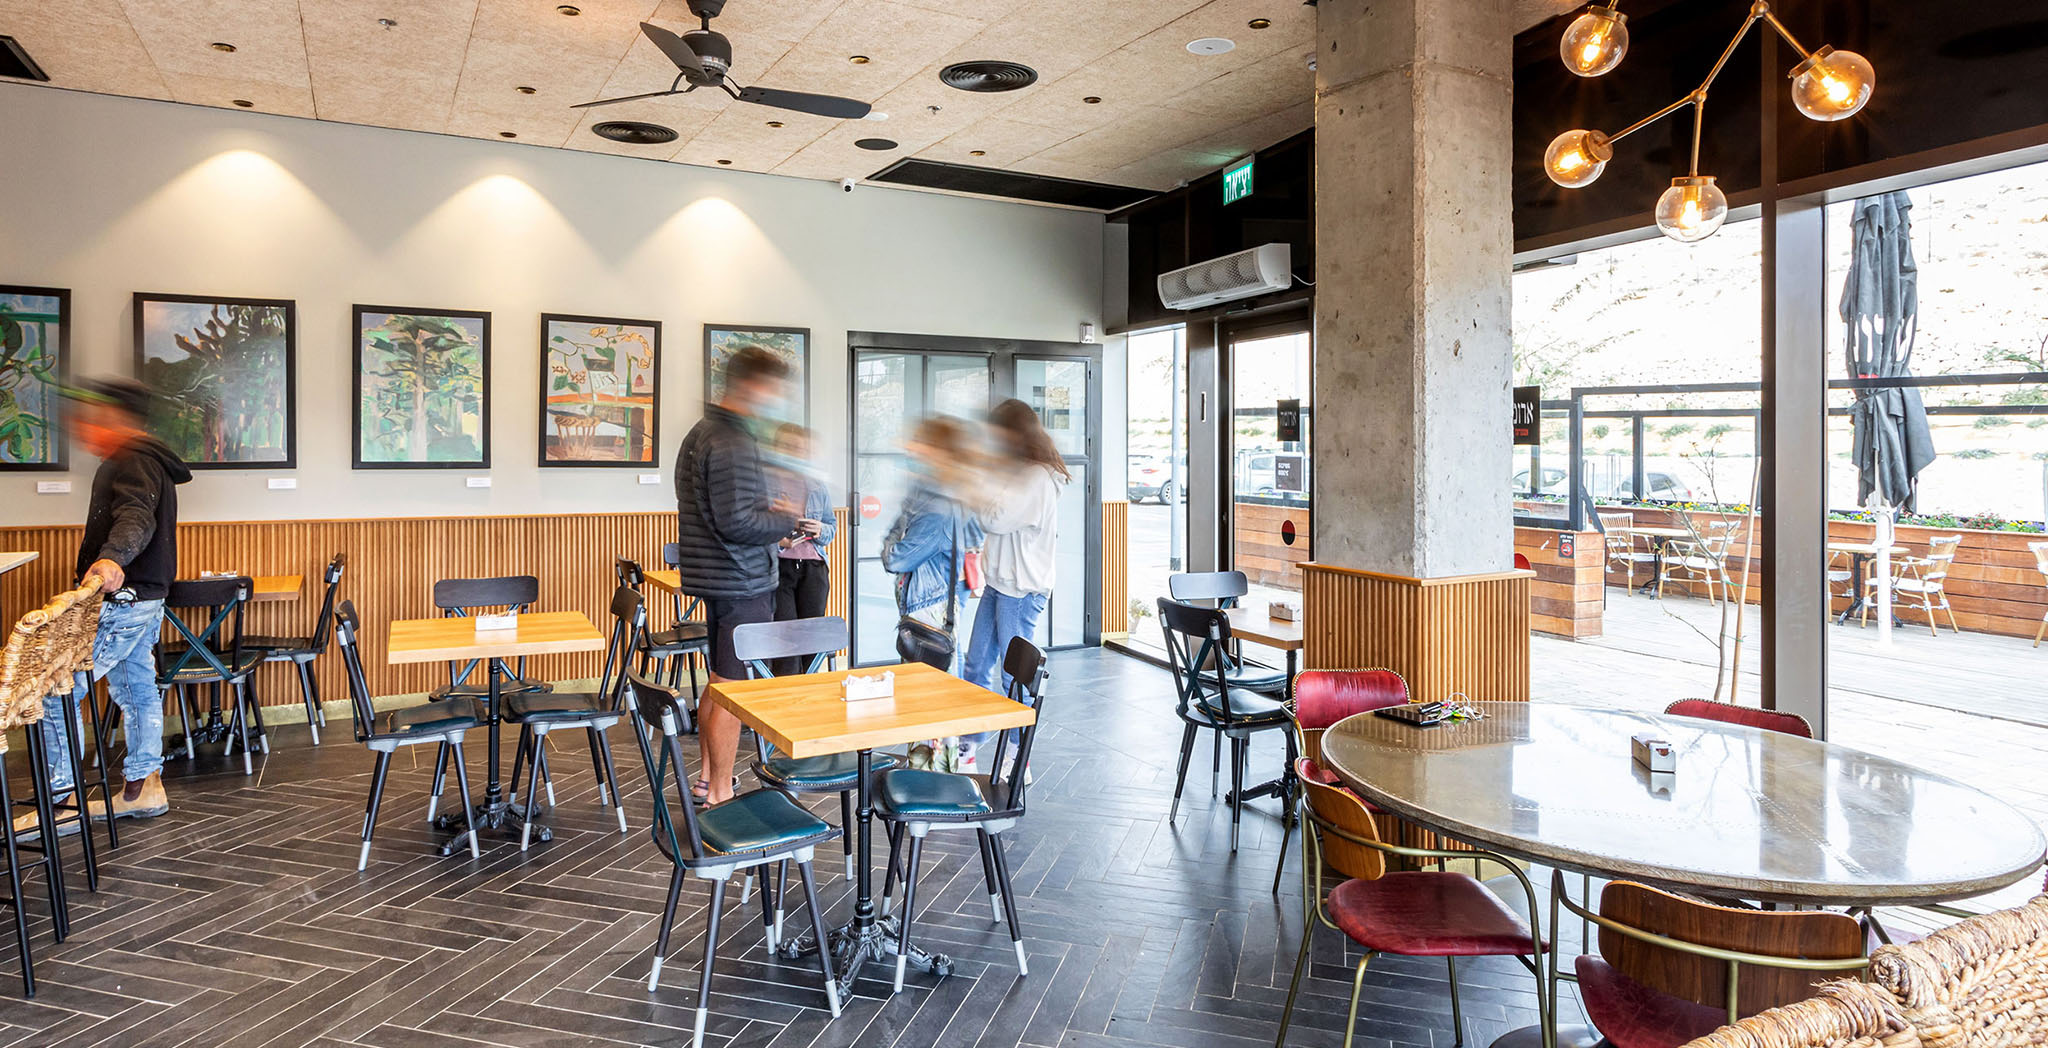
[
  {"x": 1418, "y": 913},
  {"x": 1322, "y": 698},
  {"x": 1730, "y": 713}
]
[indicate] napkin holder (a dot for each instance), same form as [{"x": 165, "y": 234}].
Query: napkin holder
[
  {"x": 496, "y": 623},
  {"x": 1283, "y": 611},
  {"x": 1654, "y": 754},
  {"x": 855, "y": 688}
]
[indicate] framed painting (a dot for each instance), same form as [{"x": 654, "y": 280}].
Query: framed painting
[
  {"x": 721, "y": 341},
  {"x": 35, "y": 362},
  {"x": 223, "y": 372},
  {"x": 600, "y": 401},
  {"x": 422, "y": 388}
]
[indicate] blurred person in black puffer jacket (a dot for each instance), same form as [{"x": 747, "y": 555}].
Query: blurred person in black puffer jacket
[{"x": 729, "y": 521}]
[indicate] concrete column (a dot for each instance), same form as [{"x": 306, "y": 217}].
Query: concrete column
[{"x": 1413, "y": 243}]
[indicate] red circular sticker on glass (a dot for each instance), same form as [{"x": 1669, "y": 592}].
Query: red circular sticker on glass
[
  {"x": 870, "y": 507},
  {"x": 1287, "y": 532}
]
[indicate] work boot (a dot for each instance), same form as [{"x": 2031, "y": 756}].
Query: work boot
[
  {"x": 142, "y": 798},
  {"x": 25, "y": 824}
]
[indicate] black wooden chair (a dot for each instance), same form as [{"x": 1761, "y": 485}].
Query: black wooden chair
[
  {"x": 1221, "y": 589},
  {"x": 538, "y": 713},
  {"x": 301, "y": 652},
  {"x": 442, "y": 722},
  {"x": 681, "y": 648},
  {"x": 915, "y": 802},
  {"x": 818, "y": 640},
  {"x": 216, "y": 655},
  {"x": 1197, "y": 639},
  {"x": 752, "y": 830},
  {"x": 460, "y": 597}
]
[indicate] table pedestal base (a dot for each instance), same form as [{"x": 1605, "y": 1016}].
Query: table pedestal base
[
  {"x": 1567, "y": 1037},
  {"x": 502, "y": 817},
  {"x": 854, "y": 946}
]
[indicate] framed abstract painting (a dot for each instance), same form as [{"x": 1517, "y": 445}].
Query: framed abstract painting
[
  {"x": 35, "y": 362},
  {"x": 600, "y": 386},
  {"x": 422, "y": 388},
  {"x": 223, "y": 373},
  {"x": 793, "y": 345}
]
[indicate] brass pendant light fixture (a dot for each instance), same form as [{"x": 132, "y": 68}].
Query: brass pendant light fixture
[{"x": 1827, "y": 85}]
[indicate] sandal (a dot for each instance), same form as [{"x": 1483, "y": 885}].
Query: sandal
[{"x": 700, "y": 791}]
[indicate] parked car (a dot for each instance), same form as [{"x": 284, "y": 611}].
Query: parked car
[
  {"x": 1663, "y": 486},
  {"x": 1147, "y": 478}
]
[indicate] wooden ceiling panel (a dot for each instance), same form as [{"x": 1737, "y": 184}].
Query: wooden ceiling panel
[
  {"x": 268, "y": 97},
  {"x": 783, "y": 21},
  {"x": 741, "y": 134},
  {"x": 367, "y": 73},
  {"x": 1275, "y": 82},
  {"x": 1002, "y": 141},
  {"x": 1168, "y": 168},
  {"x": 87, "y": 45},
  {"x": 492, "y": 74},
  {"x": 604, "y": 29},
  {"x": 1149, "y": 130},
  {"x": 266, "y": 34}
]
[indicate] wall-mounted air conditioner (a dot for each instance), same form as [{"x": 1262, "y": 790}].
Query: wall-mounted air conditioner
[{"x": 1255, "y": 271}]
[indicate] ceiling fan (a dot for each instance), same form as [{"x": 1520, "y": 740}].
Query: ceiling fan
[{"x": 702, "y": 57}]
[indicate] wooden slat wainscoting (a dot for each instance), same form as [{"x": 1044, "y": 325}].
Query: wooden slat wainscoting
[
  {"x": 1466, "y": 633},
  {"x": 1116, "y": 569},
  {"x": 392, "y": 566}
]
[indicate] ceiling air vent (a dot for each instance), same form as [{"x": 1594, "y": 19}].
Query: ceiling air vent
[
  {"x": 634, "y": 132},
  {"x": 15, "y": 62},
  {"x": 988, "y": 76},
  {"x": 1012, "y": 185}
]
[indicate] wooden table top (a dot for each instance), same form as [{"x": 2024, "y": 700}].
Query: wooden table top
[
  {"x": 16, "y": 558},
  {"x": 1751, "y": 813},
  {"x": 1253, "y": 624},
  {"x": 664, "y": 579},
  {"x": 457, "y": 639},
  {"x": 277, "y": 587},
  {"x": 803, "y": 716}
]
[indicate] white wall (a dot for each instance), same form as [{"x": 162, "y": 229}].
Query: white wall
[{"x": 109, "y": 196}]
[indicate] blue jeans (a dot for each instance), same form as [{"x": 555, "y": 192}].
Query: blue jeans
[
  {"x": 124, "y": 652},
  {"x": 1000, "y": 619}
]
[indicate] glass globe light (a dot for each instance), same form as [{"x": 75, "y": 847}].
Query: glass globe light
[
  {"x": 1576, "y": 158},
  {"x": 1692, "y": 209},
  {"x": 1595, "y": 41},
  {"x": 1832, "y": 85}
]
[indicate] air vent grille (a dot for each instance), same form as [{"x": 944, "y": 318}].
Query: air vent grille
[
  {"x": 1010, "y": 185},
  {"x": 634, "y": 132},
  {"x": 988, "y": 76}
]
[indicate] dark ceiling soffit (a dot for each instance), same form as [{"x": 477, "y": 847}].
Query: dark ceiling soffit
[
  {"x": 1008, "y": 185},
  {"x": 1303, "y": 137},
  {"x": 1264, "y": 305},
  {"x": 15, "y": 62}
]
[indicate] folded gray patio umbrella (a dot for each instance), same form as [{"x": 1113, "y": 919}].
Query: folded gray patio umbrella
[{"x": 1881, "y": 307}]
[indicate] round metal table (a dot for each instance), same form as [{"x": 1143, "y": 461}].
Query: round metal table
[{"x": 1749, "y": 813}]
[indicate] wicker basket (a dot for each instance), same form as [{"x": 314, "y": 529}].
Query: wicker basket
[
  {"x": 1981, "y": 983},
  {"x": 1842, "y": 1015}
]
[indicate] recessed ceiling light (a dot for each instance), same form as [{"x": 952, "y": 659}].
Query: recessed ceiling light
[
  {"x": 859, "y": 59},
  {"x": 725, "y": 163},
  {"x": 388, "y": 23},
  {"x": 774, "y": 123},
  {"x": 977, "y": 152},
  {"x": 1260, "y": 23},
  {"x": 525, "y": 90},
  {"x": 1093, "y": 100},
  {"x": 245, "y": 103},
  {"x": 876, "y": 144},
  {"x": 1212, "y": 45},
  {"x": 508, "y": 134},
  {"x": 223, "y": 48},
  {"x": 568, "y": 9}
]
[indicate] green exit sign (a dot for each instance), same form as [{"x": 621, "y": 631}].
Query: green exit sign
[{"x": 1237, "y": 183}]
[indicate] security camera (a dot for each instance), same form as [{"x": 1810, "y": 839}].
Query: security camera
[{"x": 846, "y": 185}]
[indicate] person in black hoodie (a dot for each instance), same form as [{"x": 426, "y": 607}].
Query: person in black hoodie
[
  {"x": 728, "y": 523},
  {"x": 130, "y": 542}
]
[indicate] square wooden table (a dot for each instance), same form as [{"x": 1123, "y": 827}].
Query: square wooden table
[
  {"x": 456, "y": 639},
  {"x": 804, "y": 716},
  {"x": 16, "y": 558},
  {"x": 270, "y": 588},
  {"x": 668, "y": 579}
]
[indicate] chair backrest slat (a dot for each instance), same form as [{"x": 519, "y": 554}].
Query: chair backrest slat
[
  {"x": 1196, "y": 637},
  {"x": 659, "y": 714},
  {"x": 348, "y": 635},
  {"x": 759, "y": 643},
  {"x": 1809, "y": 934},
  {"x": 1223, "y": 587},
  {"x": 1024, "y": 663},
  {"x": 224, "y": 598},
  {"x": 462, "y": 596},
  {"x": 1343, "y": 810},
  {"x": 324, "y": 624}
]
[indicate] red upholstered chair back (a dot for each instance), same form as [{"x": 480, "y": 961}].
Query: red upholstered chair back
[
  {"x": 1729, "y": 713},
  {"x": 1324, "y": 697}
]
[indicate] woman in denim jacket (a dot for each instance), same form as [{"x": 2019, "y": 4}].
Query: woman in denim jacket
[{"x": 920, "y": 548}]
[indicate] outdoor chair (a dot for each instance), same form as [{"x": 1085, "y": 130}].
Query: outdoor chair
[
  {"x": 914, "y": 802},
  {"x": 441, "y": 722},
  {"x": 2040, "y": 552},
  {"x": 1699, "y": 562},
  {"x": 1671, "y": 968},
  {"x": 1196, "y": 639},
  {"x": 216, "y": 654},
  {"x": 1322, "y": 698},
  {"x": 679, "y": 648},
  {"x": 1841, "y": 576},
  {"x": 460, "y": 597},
  {"x": 538, "y": 713},
  {"x": 301, "y": 652},
  {"x": 1414, "y": 913},
  {"x": 1921, "y": 582},
  {"x": 752, "y": 830},
  {"x": 1622, "y": 549},
  {"x": 1730, "y": 713},
  {"x": 816, "y": 643}
]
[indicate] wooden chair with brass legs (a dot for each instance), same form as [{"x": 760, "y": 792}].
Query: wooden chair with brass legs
[
  {"x": 1671, "y": 969},
  {"x": 1921, "y": 583},
  {"x": 1322, "y": 698},
  {"x": 1413, "y": 913}
]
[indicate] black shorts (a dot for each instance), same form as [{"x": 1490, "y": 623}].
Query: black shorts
[{"x": 721, "y": 616}]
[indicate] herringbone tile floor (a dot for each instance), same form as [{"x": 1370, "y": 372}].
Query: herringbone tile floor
[{"x": 239, "y": 920}]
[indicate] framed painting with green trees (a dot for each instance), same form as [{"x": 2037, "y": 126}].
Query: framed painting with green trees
[
  {"x": 222, "y": 371},
  {"x": 35, "y": 352},
  {"x": 422, "y": 388},
  {"x": 600, "y": 401}
]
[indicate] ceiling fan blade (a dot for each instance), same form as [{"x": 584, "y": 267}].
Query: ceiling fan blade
[
  {"x": 817, "y": 105},
  {"x": 677, "y": 50},
  {"x": 627, "y": 98}
]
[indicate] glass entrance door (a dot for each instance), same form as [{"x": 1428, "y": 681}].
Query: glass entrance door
[
  {"x": 1271, "y": 420},
  {"x": 1061, "y": 390}
]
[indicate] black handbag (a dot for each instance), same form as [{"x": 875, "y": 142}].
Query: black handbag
[{"x": 923, "y": 642}]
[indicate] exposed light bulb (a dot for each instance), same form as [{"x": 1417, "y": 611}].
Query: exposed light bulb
[
  {"x": 1832, "y": 85},
  {"x": 1692, "y": 209},
  {"x": 1576, "y": 158},
  {"x": 1595, "y": 41}
]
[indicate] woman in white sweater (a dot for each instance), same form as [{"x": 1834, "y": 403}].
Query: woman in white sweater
[{"x": 1020, "y": 517}]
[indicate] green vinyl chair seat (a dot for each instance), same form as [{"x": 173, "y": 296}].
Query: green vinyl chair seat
[
  {"x": 197, "y": 671},
  {"x": 433, "y": 718},
  {"x": 763, "y": 820},
  {"x": 830, "y": 773},
  {"x": 1246, "y": 710},
  {"x": 687, "y": 636},
  {"x": 527, "y": 707},
  {"x": 911, "y": 793}
]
